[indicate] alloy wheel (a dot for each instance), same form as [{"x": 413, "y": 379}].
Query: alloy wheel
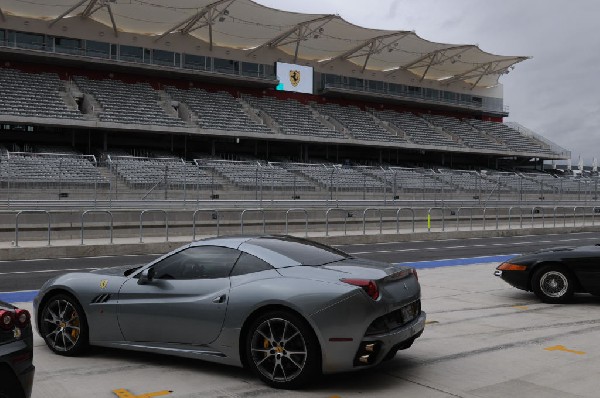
[
  {"x": 61, "y": 325},
  {"x": 278, "y": 350}
]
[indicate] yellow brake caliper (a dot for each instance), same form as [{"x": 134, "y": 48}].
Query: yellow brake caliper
[
  {"x": 266, "y": 345},
  {"x": 74, "y": 322}
]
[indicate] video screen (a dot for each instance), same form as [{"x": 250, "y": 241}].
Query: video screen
[{"x": 296, "y": 78}]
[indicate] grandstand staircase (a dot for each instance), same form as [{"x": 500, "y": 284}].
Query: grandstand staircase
[
  {"x": 441, "y": 131},
  {"x": 489, "y": 137},
  {"x": 186, "y": 114},
  {"x": 89, "y": 106},
  {"x": 259, "y": 116},
  {"x": 166, "y": 103},
  {"x": 389, "y": 127},
  {"x": 331, "y": 123},
  {"x": 68, "y": 94},
  {"x": 121, "y": 186}
]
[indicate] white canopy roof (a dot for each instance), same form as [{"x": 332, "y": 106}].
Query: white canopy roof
[{"x": 246, "y": 25}]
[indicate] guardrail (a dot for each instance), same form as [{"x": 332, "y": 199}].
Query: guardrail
[
  {"x": 261, "y": 211},
  {"x": 398, "y": 218},
  {"x": 97, "y": 212},
  {"x": 287, "y": 213},
  {"x": 215, "y": 216},
  {"x": 504, "y": 218},
  {"x": 442, "y": 211},
  {"x": 365, "y": 220},
  {"x": 30, "y": 212},
  {"x": 327, "y": 219},
  {"x": 484, "y": 217},
  {"x": 470, "y": 217},
  {"x": 142, "y": 223}
]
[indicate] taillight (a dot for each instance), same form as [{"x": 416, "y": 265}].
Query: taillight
[
  {"x": 414, "y": 271},
  {"x": 369, "y": 286},
  {"x": 7, "y": 320},
  {"x": 22, "y": 318}
]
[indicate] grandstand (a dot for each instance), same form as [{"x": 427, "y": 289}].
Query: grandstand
[{"x": 92, "y": 102}]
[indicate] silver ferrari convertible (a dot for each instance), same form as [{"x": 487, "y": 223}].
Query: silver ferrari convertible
[{"x": 287, "y": 308}]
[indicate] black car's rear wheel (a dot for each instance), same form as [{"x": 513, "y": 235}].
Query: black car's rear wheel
[
  {"x": 553, "y": 284},
  {"x": 282, "y": 350},
  {"x": 63, "y": 325}
]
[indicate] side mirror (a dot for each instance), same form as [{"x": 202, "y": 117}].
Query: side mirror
[{"x": 146, "y": 276}]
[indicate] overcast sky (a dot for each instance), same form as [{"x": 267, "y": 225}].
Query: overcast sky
[{"x": 556, "y": 94}]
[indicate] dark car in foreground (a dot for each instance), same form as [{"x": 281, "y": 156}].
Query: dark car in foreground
[
  {"x": 289, "y": 309},
  {"x": 16, "y": 352},
  {"x": 555, "y": 274}
]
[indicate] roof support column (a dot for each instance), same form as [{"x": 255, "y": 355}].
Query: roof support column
[
  {"x": 112, "y": 20},
  {"x": 64, "y": 14},
  {"x": 89, "y": 10}
]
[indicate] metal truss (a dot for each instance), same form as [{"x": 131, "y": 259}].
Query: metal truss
[
  {"x": 207, "y": 16},
  {"x": 297, "y": 34},
  {"x": 372, "y": 46}
]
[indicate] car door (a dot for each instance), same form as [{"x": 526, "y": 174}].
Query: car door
[{"x": 184, "y": 302}]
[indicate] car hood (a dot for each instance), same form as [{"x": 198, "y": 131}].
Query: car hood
[{"x": 120, "y": 270}]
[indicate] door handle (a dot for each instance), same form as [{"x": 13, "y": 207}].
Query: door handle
[{"x": 220, "y": 299}]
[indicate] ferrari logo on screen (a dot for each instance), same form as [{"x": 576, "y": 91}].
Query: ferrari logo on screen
[
  {"x": 103, "y": 284},
  {"x": 295, "y": 77}
]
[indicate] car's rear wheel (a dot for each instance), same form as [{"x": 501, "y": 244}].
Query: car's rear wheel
[
  {"x": 282, "y": 350},
  {"x": 63, "y": 325},
  {"x": 553, "y": 284}
]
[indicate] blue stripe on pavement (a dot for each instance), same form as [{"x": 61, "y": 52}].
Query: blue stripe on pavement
[
  {"x": 18, "y": 297},
  {"x": 459, "y": 261},
  {"x": 27, "y": 296}
]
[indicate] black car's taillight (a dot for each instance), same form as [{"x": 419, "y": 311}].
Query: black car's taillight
[
  {"x": 7, "y": 320},
  {"x": 22, "y": 318}
]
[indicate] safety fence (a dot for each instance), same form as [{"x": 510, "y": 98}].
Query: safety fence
[{"x": 108, "y": 226}]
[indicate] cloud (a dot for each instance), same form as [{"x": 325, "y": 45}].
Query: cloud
[{"x": 555, "y": 94}]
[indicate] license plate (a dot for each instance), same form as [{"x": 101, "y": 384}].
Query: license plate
[{"x": 408, "y": 313}]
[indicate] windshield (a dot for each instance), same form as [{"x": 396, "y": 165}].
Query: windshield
[{"x": 302, "y": 251}]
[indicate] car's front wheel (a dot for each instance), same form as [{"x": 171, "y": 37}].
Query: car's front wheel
[
  {"x": 283, "y": 350},
  {"x": 63, "y": 325},
  {"x": 553, "y": 284}
]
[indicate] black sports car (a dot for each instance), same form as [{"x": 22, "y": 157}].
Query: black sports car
[
  {"x": 16, "y": 352},
  {"x": 555, "y": 274}
]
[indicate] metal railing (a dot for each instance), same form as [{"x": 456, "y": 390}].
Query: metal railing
[
  {"x": 97, "y": 212},
  {"x": 65, "y": 224},
  {"x": 30, "y": 212},
  {"x": 142, "y": 223},
  {"x": 215, "y": 216},
  {"x": 287, "y": 213},
  {"x": 261, "y": 211},
  {"x": 115, "y": 179}
]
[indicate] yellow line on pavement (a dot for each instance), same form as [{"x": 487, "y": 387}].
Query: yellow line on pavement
[
  {"x": 564, "y": 349},
  {"x": 123, "y": 393}
]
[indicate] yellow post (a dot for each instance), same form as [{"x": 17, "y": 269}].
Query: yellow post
[{"x": 428, "y": 222}]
